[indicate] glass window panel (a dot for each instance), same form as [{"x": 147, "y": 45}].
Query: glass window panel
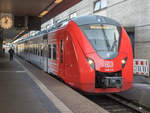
[
  {"x": 54, "y": 52},
  {"x": 103, "y": 4},
  {"x": 49, "y": 47},
  {"x": 102, "y": 37},
  {"x": 97, "y": 5}
]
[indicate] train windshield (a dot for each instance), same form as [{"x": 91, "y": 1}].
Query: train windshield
[{"x": 103, "y": 38}]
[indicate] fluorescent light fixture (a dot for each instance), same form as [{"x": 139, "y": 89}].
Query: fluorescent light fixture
[
  {"x": 18, "y": 34},
  {"x": 43, "y": 13},
  {"x": 58, "y": 1},
  {"x": 50, "y": 7}
]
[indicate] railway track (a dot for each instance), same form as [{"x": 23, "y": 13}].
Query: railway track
[
  {"x": 115, "y": 104},
  {"x": 112, "y": 103}
]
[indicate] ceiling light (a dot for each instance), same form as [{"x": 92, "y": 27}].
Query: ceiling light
[
  {"x": 43, "y": 13},
  {"x": 58, "y": 1},
  {"x": 50, "y": 8},
  {"x": 18, "y": 34}
]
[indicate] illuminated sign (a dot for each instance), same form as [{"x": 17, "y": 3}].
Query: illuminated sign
[{"x": 102, "y": 27}]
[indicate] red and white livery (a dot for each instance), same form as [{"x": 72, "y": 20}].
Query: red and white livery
[{"x": 90, "y": 53}]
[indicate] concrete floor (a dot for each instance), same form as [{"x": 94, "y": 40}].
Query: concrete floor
[
  {"x": 140, "y": 91},
  {"x": 21, "y": 93}
]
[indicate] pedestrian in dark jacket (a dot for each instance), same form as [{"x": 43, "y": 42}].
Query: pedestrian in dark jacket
[{"x": 11, "y": 53}]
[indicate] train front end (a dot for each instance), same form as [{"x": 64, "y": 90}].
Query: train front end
[{"x": 108, "y": 63}]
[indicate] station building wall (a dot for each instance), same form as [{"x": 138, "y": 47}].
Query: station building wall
[
  {"x": 132, "y": 14},
  {"x": 85, "y": 7}
]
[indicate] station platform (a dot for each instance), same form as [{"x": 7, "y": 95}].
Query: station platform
[
  {"x": 27, "y": 89},
  {"x": 140, "y": 91}
]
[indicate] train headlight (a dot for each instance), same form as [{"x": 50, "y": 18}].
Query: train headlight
[
  {"x": 91, "y": 62},
  {"x": 124, "y": 61}
]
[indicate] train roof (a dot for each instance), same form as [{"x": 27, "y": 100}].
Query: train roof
[
  {"x": 82, "y": 20},
  {"x": 94, "y": 19}
]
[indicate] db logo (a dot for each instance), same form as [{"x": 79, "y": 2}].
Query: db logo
[{"x": 108, "y": 64}]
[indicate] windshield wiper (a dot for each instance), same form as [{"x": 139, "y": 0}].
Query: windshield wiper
[
  {"x": 106, "y": 40},
  {"x": 114, "y": 43}
]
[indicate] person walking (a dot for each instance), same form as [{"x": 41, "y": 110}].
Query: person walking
[{"x": 11, "y": 53}]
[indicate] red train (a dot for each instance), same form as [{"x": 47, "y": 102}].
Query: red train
[{"x": 90, "y": 53}]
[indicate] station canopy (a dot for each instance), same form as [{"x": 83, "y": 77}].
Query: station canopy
[{"x": 45, "y": 9}]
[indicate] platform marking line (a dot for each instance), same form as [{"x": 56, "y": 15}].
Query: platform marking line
[
  {"x": 57, "y": 102},
  {"x": 12, "y": 71}
]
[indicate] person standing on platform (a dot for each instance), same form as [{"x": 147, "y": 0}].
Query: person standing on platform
[
  {"x": 3, "y": 50},
  {"x": 11, "y": 53}
]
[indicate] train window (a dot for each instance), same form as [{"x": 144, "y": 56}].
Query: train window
[
  {"x": 41, "y": 52},
  {"x": 103, "y": 38},
  {"x": 54, "y": 51},
  {"x": 61, "y": 51},
  {"x": 32, "y": 50},
  {"x": 62, "y": 23},
  {"x": 45, "y": 37},
  {"x": 36, "y": 51},
  {"x": 49, "y": 47},
  {"x": 72, "y": 15}
]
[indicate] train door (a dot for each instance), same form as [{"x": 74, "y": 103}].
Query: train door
[
  {"x": 68, "y": 60},
  {"x": 61, "y": 57},
  {"x": 71, "y": 62},
  {"x": 53, "y": 55},
  {"x": 45, "y": 53}
]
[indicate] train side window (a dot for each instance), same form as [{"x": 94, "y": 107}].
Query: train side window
[
  {"x": 33, "y": 50},
  {"x": 38, "y": 51},
  {"x": 49, "y": 47},
  {"x": 41, "y": 52},
  {"x": 61, "y": 51},
  {"x": 54, "y": 51}
]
